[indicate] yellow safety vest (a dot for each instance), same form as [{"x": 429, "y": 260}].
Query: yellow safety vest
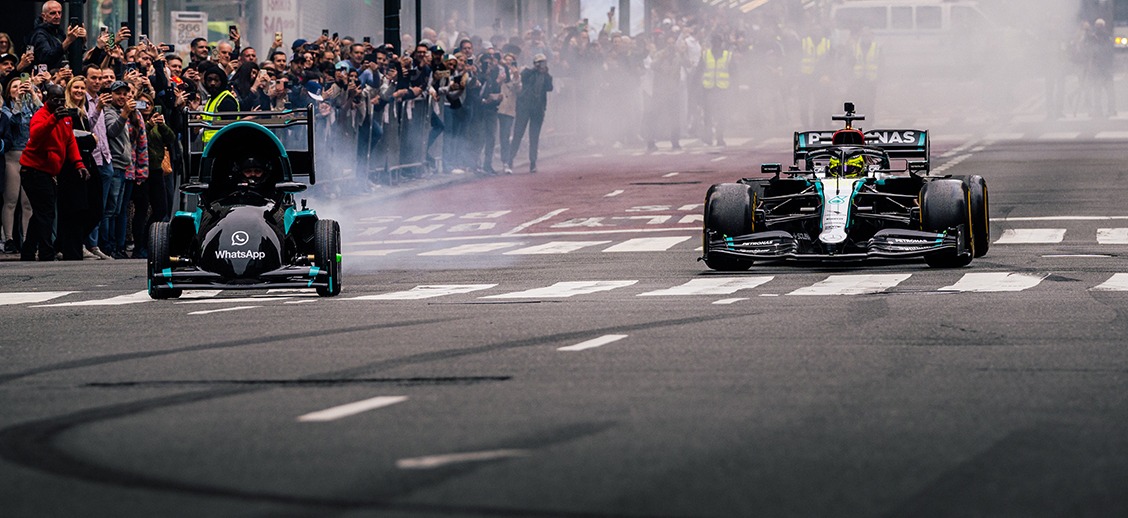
[
  {"x": 865, "y": 61},
  {"x": 212, "y": 106},
  {"x": 717, "y": 70},
  {"x": 813, "y": 53}
]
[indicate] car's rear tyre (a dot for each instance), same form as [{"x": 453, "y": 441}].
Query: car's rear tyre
[
  {"x": 728, "y": 212},
  {"x": 944, "y": 204},
  {"x": 327, "y": 254},
  {"x": 980, "y": 215},
  {"x": 159, "y": 260}
]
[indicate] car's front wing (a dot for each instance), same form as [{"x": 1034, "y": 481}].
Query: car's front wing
[
  {"x": 886, "y": 243},
  {"x": 192, "y": 277}
]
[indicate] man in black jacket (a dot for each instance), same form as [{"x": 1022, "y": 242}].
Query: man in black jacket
[
  {"x": 532, "y": 102},
  {"x": 50, "y": 41}
]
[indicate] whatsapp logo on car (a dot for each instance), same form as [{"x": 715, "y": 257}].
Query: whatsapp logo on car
[{"x": 240, "y": 238}]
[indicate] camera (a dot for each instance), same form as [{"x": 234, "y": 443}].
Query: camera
[{"x": 368, "y": 39}]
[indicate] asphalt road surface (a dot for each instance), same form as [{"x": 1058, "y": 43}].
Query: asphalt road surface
[{"x": 548, "y": 346}]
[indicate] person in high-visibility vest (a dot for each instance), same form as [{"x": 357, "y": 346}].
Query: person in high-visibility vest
[
  {"x": 813, "y": 72},
  {"x": 222, "y": 98},
  {"x": 867, "y": 63},
  {"x": 716, "y": 82}
]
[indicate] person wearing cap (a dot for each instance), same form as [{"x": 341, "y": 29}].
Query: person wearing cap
[
  {"x": 532, "y": 102},
  {"x": 118, "y": 113},
  {"x": 51, "y": 147},
  {"x": 7, "y": 66}
]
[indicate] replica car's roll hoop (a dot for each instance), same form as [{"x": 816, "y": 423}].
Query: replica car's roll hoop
[{"x": 242, "y": 137}]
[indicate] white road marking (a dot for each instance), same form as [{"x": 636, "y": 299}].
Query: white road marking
[
  {"x": 710, "y": 286},
  {"x": 475, "y": 248},
  {"x": 555, "y": 247},
  {"x": 564, "y": 290},
  {"x": 593, "y": 343},
  {"x": 555, "y": 233},
  {"x": 199, "y": 294},
  {"x": 236, "y": 308},
  {"x": 647, "y": 244},
  {"x": 1112, "y": 135},
  {"x": 853, "y": 284},
  {"x": 729, "y": 301},
  {"x": 670, "y": 175},
  {"x": 1059, "y": 135},
  {"x": 427, "y": 292},
  {"x": 718, "y": 159},
  {"x": 378, "y": 253},
  {"x": 1118, "y": 282},
  {"x": 984, "y": 282},
  {"x": 1019, "y": 236},
  {"x": 307, "y": 301},
  {"x": 528, "y": 224},
  {"x": 228, "y": 300},
  {"x": 31, "y": 297},
  {"x": 438, "y": 461},
  {"x": 1112, "y": 236},
  {"x": 1084, "y": 256},
  {"x": 337, "y": 412},
  {"x": 1062, "y": 218},
  {"x": 614, "y": 193},
  {"x": 120, "y": 300}
]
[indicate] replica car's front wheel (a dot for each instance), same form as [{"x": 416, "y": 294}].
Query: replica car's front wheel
[
  {"x": 980, "y": 214},
  {"x": 728, "y": 213},
  {"x": 159, "y": 260},
  {"x": 327, "y": 254},
  {"x": 944, "y": 206}
]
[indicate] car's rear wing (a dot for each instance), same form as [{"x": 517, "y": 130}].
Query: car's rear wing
[
  {"x": 908, "y": 144},
  {"x": 301, "y": 160}
]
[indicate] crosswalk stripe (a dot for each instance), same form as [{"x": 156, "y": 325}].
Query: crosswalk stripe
[
  {"x": 719, "y": 286},
  {"x": 1020, "y": 236},
  {"x": 427, "y": 292},
  {"x": 1112, "y": 236},
  {"x": 475, "y": 248},
  {"x": 647, "y": 244},
  {"x": 120, "y": 300},
  {"x": 853, "y": 284},
  {"x": 32, "y": 297},
  {"x": 1112, "y": 135},
  {"x": 1118, "y": 282},
  {"x": 994, "y": 281},
  {"x": 565, "y": 290},
  {"x": 555, "y": 247}
]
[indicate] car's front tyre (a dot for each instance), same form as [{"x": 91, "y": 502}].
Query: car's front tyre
[
  {"x": 728, "y": 213},
  {"x": 327, "y": 254},
  {"x": 944, "y": 205},
  {"x": 159, "y": 260}
]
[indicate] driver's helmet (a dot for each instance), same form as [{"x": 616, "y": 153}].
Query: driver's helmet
[
  {"x": 855, "y": 167},
  {"x": 252, "y": 170}
]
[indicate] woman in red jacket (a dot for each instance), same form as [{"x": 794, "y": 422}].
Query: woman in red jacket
[{"x": 51, "y": 146}]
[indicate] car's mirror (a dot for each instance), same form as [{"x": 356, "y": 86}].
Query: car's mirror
[
  {"x": 771, "y": 168},
  {"x": 290, "y": 187},
  {"x": 194, "y": 188},
  {"x": 918, "y": 166}
]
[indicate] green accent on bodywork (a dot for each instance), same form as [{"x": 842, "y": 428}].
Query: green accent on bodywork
[
  {"x": 167, "y": 272},
  {"x": 291, "y": 215},
  {"x": 822, "y": 201},
  {"x": 314, "y": 270},
  {"x": 338, "y": 258},
  {"x": 728, "y": 242},
  {"x": 195, "y": 215},
  {"x": 244, "y": 124},
  {"x": 850, "y": 207}
]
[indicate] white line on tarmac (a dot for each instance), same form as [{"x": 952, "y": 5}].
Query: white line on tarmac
[
  {"x": 528, "y": 224},
  {"x": 1021, "y": 236},
  {"x": 337, "y": 412},
  {"x": 670, "y": 175},
  {"x": 614, "y": 193},
  {"x": 132, "y": 298},
  {"x": 1118, "y": 282},
  {"x": 718, "y": 159},
  {"x": 437, "y": 461},
  {"x": 1061, "y": 218},
  {"x": 31, "y": 297},
  {"x": 531, "y": 234},
  {"x": 729, "y": 301},
  {"x": 593, "y": 343},
  {"x": 236, "y": 308}
]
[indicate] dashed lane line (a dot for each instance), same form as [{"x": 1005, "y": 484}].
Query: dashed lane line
[
  {"x": 342, "y": 411},
  {"x": 593, "y": 343}
]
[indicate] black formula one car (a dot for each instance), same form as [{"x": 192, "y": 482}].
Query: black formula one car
[
  {"x": 244, "y": 230},
  {"x": 843, "y": 200}
]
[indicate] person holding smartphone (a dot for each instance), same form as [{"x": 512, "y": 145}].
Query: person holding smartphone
[
  {"x": 51, "y": 147},
  {"x": 49, "y": 39}
]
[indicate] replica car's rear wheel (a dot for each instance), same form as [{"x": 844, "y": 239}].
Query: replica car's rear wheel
[
  {"x": 980, "y": 215},
  {"x": 944, "y": 205},
  {"x": 159, "y": 260},
  {"x": 728, "y": 212},
  {"x": 327, "y": 253}
]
